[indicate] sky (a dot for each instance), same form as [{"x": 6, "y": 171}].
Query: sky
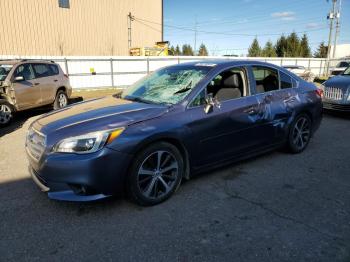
[{"x": 229, "y": 26}]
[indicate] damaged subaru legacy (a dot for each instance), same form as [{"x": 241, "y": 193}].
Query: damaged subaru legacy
[{"x": 179, "y": 121}]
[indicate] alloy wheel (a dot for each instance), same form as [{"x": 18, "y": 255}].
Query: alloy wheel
[
  {"x": 5, "y": 114},
  {"x": 157, "y": 174},
  {"x": 301, "y": 133},
  {"x": 62, "y": 100}
]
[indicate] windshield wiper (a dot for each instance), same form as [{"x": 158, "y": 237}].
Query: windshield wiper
[{"x": 185, "y": 89}]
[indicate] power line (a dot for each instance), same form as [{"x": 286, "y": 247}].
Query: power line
[
  {"x": 155, "y": 29},
  {"x": 226, "y": 33}
]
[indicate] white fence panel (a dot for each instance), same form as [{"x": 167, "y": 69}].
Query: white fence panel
[{"x": 121, "y": 71}]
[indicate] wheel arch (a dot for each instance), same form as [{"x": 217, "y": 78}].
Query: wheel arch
[
  {"x": 3, "y": 99},
  {"x": 61, "y": 88}
]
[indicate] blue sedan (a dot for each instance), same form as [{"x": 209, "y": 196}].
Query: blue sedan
[{"x": 179, "y": 121}]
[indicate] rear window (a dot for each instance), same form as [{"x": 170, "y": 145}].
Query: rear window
[
  {"x": 41, "y": 70},
  {"x": 266, "y": 79},
  {"x": 54, "y": 69},
  {"x": 343, "y": 64},
  {"x": 44, "y": 70},
  {"x": 286, "y": 80}
]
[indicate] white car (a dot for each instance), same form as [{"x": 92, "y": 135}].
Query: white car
[
  {"x": 301, "y": 71},
  {"x": 340, "y": 68}
]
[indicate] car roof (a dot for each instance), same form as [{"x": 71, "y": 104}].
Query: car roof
[
  {"x": 16, "y": 61},
  {"x": 293, "y": 66},
  {"x": 225, "y": 62}
]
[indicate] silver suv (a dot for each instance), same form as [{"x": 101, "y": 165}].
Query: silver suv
[{"x": 26, "y": 84}]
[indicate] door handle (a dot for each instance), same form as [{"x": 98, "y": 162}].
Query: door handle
[
  {"x": 251, "y": 111},
  {"x": 36, "y": 84},
  {"x": 55, "y": 80}
]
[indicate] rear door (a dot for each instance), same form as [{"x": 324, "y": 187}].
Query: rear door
[
  {"x": 45, "y": 77},
  {"x": 276, "y": 97},
  {"x": 27, "y": 92}
]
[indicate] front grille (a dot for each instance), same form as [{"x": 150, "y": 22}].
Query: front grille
[
  {"x": 35, "y": 143},
  {"x": 333, "y": 93}
]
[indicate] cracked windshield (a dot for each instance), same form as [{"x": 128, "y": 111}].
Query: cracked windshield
[{"x": 167, "y": 86}]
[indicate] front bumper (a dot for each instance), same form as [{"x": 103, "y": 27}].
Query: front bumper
[
  {"x": 72, "y": 177},
  {"x": 330, "y": 105}
]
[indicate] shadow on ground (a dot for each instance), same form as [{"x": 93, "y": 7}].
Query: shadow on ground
[{"x": 20, "y": 118}]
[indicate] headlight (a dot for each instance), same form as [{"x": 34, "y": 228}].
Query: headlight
[{"x": 88, "y": 143}]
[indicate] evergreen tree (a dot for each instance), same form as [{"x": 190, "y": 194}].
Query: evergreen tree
[
  {"x": 187, "y": 50},
  {"x": 305, "y": 50},
  {"x": 281, "y": 46},
  {"x": 269, "y": 50},
  {"x": 293, "y": 45},
  {"x": 255, "y": 49},
  {"x": 321, "y": 51},
  {"x": 203, "y": 50},
  {"x": 171, "y": 50},
  {"x": 177, "y": 50}
]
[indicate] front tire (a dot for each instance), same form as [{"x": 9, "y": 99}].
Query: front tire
[
  {"x": 155, "y": 174},
  {"x": 6, "y": 113},
  {"x": 61, "y": 100},
  {"x": 299, "y": 134}
]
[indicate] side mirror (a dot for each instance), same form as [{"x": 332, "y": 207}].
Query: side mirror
[
  {"x": 19, "y": 78},
  {"x": 210, "y": 103}
]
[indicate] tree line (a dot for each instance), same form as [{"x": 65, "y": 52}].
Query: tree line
[
  {"x": 287, "y": 46},
  {"x": 187, "y": 50}
]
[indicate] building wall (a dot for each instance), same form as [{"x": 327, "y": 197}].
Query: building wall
[
  {"x": 87, "y": 28},
  {"x": 342, "y": 50}
]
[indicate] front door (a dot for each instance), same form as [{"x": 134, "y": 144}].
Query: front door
[
  {"x": 230, "y": 129},
  {"x": 27, "y": 92}
]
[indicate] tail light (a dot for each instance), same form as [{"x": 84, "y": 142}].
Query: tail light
[
  {"x": 319, "y": 92},
  {"x": 66, "y": 75}
]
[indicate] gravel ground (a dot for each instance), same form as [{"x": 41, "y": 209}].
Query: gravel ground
[{"x": 277, "y": 207}]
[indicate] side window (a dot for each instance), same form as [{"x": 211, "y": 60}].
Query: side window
[
  {"x": 200, "y": 99},
  {"x": 266, "y": 79},
  {"x": 41, "y": 70},
  {"x": 54, "y": 69},
  {"x": 286, "y": 80},
  {"x": 229, "y": 84},
  {"x": 26, "y": 71}
]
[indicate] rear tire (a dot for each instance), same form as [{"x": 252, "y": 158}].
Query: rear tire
[
  {"x": 6, "y": 113},
  {"x": 155, "y": 174},
  {"x": 61, "y": 100},
  {"x": 299, "y": 134}
]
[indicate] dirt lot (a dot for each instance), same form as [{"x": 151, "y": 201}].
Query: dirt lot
[
  {"x": 89, "y": 94},
  {"x": 277, "y": 207}
]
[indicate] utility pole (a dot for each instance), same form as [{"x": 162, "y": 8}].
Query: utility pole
[
  {"x": 130, "y": 19},
  {"x": 337, "y": 16},
  {"x": 331, "y": 18},
  {"x": 195, "y": 35}
]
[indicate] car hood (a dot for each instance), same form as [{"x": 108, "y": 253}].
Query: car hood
[
  {"x": 339, "y": 81},
  {"x": 99, "y": 114}
]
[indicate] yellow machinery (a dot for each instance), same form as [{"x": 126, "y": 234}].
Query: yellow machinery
[{"x": 159, "y": 49}]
